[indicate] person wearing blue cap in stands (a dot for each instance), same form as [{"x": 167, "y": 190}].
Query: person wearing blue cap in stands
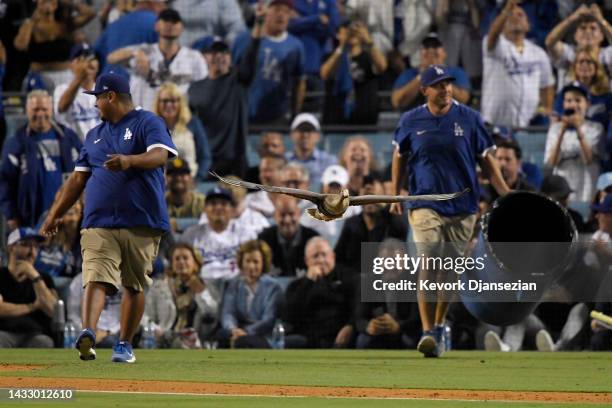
[
  {"x": 438, "y": 145},
  {"x": 121, "y": 170},
  {"x": 575, "y": 145}
]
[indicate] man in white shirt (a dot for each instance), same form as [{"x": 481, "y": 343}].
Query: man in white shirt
[
  {"x": 71, "y": 106},
  {"x": 219, "y": 239},
  {"x": 151, "y": 65},
  {"x": 269, "y": 174},
  {"x": 518, "y": 81},
  {"x": 591, "y": 28}
]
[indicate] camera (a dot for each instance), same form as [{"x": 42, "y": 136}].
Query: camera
[{"x": 568, "y": 112}]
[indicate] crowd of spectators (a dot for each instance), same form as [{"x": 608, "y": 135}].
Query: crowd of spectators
[{"x": 235, "y": 262}]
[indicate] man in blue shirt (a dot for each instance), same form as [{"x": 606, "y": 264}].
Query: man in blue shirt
[
  {"x": 438, "y": 146},
  {"x": 306, "y": 134},
  {"x": 406, "y": 94},
  {"x": 135, "y": 27},
  {"x": 315, "y": 23},
  {"x": 121, "y": 170},
  {"x": 35, "y": 162},
  {"x": 279, "y": 68}
]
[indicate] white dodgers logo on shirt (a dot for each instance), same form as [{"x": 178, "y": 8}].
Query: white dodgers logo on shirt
[
  {"x": 127, "y": 135},
  {"x": 458, "y": 130}
]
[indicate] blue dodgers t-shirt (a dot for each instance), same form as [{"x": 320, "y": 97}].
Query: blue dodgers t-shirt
[
  {"x": 442, "y": 153},
  {"x": 461, "y": 78},
  {"x": 132, "y": 198},
  {"x": 279, "y": 60}
]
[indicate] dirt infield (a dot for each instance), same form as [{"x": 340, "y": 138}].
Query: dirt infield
[
  {"x": 288, "y": 391},
  {"x": 19, "y": 367}
]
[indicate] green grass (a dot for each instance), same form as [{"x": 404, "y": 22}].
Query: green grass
[
  {"x": 93, "y": 400},
  {"x": 528, "y": 371},
  {"x": 525, "y": 371}
]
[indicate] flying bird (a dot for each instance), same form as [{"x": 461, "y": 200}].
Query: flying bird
[{"x": 333, "y": 206}]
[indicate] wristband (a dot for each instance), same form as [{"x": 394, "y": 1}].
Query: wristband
[{"x": 37, "y": 279}]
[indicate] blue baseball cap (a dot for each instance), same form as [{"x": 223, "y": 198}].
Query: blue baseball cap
[
  {"x": 21, "y": 234},
  {"x": 219, "y": 192},
  {"x": 501, "y": 131},
  {"x": 604, "y": 181},
  {"x": 434, "y": 74},
  {"x": 81, "y": 50},
  {"x": 605, "y": 206},
  {"x": 110, "y": 82},
  {"x": 210, "y": 44},
  {"x": 577, "y": 87}
]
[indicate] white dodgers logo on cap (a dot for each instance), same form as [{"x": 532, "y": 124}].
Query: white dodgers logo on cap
[{"x": 439, "y": 70}]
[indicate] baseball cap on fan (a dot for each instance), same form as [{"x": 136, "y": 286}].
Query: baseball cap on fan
[
  {"x": 21, "y": 234},
  {"x": 305, "y": 122},
  {"x": 604, "y": 181},
  {"x": 431, "y": 41},
  {"x": 335, "y": 174},
  {"x": 170, "y": 15}
]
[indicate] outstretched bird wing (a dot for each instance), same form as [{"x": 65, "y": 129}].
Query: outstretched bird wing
[
  {"x": 376, "y": 199},
  {"x": 295, "y": 192}
]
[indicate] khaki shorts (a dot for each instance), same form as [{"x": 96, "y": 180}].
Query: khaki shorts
[
  {"x": 430, "y": 227},
  {"x": 120, "y": 257}
]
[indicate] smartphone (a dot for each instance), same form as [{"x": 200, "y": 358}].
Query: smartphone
[{"x": 568, "y": 112}]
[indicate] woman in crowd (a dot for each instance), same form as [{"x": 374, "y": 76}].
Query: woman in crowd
[
  {"x": 351, "y": 77},
  {"x": 251, "y": 300},
  {"x": 357, "y": 157},
  {"x": 47, "y": 37},
  {"x": 182, "y": 306},
  {"x": 587, "y": 70},
  {"x": 187, "y": 131},
  {"x": 574, "y": 145}
]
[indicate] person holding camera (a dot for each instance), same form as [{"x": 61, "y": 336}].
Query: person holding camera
[
  {"x": 71, "y": 106},
  {"x": 574, "y": 144},
  {"x": 351, "y": 77}
]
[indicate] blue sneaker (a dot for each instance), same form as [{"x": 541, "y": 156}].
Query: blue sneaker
[
  {"x": 85, "y": 343},
  {"x": 122, "y": 353},
  {"x": 428, "y": 344},
  {"x": 440, "y": 336}
]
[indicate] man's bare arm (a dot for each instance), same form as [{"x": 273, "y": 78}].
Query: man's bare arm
[{"x": 70, "y": 193}]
